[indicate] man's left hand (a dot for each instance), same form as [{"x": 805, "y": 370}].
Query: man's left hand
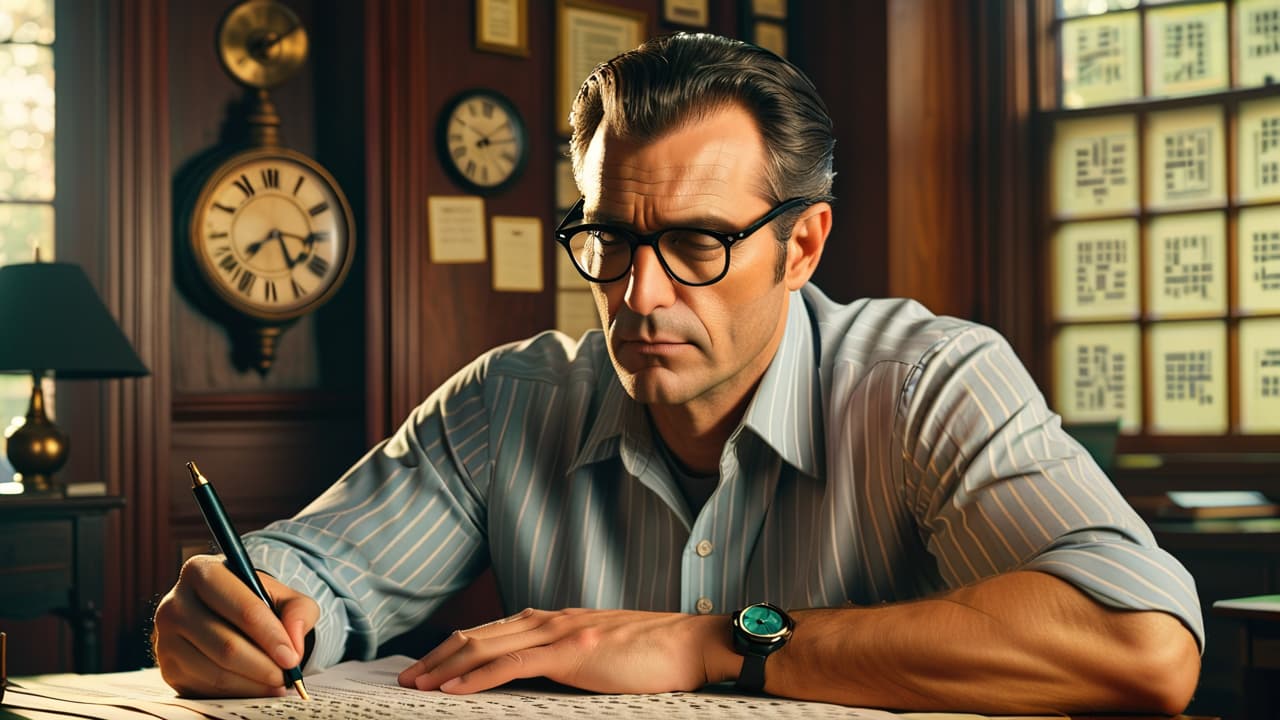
[{"x": 607, "y": 651}]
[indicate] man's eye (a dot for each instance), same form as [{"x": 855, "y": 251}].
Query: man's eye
[{"x": 606, "y": 238}]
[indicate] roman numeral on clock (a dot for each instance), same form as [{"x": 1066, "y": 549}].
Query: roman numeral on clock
[
  {"x": 317, "y": 209},
  {"x": 318, "y": 266},
  {"x": 245, "y": 186},
  {"x": 271, "y": 178}
]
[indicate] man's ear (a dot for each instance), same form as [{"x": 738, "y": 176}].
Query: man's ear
[{"x": 804, "y": 249}]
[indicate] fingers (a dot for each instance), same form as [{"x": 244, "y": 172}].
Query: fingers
[
  {"x": 229, "y": 598},
  {"x": 512, "y": 624},
  {"x": 215, "y": 637},
  {"x": 538, "y": 661}
]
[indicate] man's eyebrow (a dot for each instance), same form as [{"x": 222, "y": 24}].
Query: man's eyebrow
[{"x": 700, "y": 221}]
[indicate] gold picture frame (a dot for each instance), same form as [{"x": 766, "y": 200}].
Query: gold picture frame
[
  {"x": 589, "y": 33},
  {"x": 502, "y": 26},
  {"x": 687, "y": 13}
]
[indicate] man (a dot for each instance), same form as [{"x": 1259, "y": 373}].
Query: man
[{"x": 731, "y": 437}]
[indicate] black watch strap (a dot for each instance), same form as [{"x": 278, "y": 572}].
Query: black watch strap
[{"x": 751, "y": 678}]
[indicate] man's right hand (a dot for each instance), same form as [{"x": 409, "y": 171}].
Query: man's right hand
[{"x": 214, "y": 638}]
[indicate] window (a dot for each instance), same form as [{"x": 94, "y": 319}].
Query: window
[
  {"x": 26, "y": 159},
  {"x": 1163, "y": 218}
]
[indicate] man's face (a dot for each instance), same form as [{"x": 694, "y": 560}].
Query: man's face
[{"x": 670, "y": 343}]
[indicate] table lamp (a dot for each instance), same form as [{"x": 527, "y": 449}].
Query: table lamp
[{"x": 52, "y": 320}]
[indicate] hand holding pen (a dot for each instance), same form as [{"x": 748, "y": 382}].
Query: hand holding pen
[
  {"x": 215, "y": 637},
  {"x": 237, "y": 559}
]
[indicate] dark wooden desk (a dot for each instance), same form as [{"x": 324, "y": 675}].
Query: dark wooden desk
[
  {"x": 51, "y": 561},
  {"x": 1260, "y": 617}
]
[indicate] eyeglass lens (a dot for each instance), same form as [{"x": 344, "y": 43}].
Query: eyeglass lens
[{"x": 691, "y": 256}]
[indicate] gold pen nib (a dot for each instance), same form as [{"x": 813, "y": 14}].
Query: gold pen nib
[
  {"x": 302, "y": 690},
  {"x": 196, "y": 478}
]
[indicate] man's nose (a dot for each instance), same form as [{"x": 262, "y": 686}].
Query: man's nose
[{"x": 649, "y": 287}]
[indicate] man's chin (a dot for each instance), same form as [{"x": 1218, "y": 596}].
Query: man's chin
[{"x": 653, "y": 386}]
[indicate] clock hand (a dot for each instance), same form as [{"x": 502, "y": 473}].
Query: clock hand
[
  {"x": 252, "y": 248},
  {"x": 284, "y": 248}
]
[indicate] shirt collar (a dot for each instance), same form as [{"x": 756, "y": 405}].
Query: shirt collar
[{"x": 786, "y": 411}]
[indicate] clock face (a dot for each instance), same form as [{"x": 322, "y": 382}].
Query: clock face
[
  {"x": 483, "y": 141},
  {"x": 759, "y": 620},
  {"x": 272, "y": 234}
]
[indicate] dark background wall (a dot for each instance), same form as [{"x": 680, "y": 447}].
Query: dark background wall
[{"x": 899, "y": 78}]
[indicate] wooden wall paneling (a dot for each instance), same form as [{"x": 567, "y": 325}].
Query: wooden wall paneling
[
  {"x": 931, "y": 164},
  {"x": 1006, "y": 251},
  {"x": 139, "y": 277},
  {"x": 843, "y": 48}
]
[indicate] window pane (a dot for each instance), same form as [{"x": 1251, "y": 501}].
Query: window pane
[
  {"x": 22, "y": 228},
  {"x": 26, "y": 122},
  {"x": 26, "y": 21},
  {"x": 1101, "y": 60}
]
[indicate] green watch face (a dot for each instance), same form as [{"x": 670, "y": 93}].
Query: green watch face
[{"x": 761, "y": 620}]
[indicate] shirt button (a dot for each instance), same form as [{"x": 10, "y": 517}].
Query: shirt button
[
  {"x": 704, "y": 548},
  {"x": 704, "y": 605}
]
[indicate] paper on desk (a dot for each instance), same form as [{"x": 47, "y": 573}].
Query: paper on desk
[{"x": 369, "y": 691}]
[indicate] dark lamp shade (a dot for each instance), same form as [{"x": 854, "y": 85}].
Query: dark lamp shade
[{"x": 51, "y": 319}]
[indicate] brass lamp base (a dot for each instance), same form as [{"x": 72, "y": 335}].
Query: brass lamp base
[{"x": 38, "y": 448}]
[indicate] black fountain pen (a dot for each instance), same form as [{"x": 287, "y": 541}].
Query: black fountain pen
[{"x": 237, "y": 559}]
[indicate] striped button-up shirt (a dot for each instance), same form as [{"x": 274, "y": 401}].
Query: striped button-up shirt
[{"x": 887, "y": 454}]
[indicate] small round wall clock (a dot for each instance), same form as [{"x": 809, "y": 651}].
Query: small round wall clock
[{"x": 483, "y": 142}]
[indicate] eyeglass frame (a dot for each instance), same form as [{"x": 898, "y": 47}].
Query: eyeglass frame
[{"x": 635, "y": 240}]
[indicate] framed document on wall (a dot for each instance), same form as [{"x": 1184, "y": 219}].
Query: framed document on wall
[
  {"x": 1187, "y": 50},
  {"x": 1101, "y": 60},
  {"x": 1258, "y": 260},
  {"x": 1186, "y": 163},
  {"x": 1188, "y": 369},
  {"x": 1258, "y": 147},
  {"x": 1257, "y": 52},
  {"x": 1096, "y": 271},
  {"x": 503, "y": 26},
  {"x": 589, "y": 33},
  {"x": 1187, "y": 265},
  {"x": 1097, "y": 374},
  {"x": 1259, "y": 385},
  {"x": 1095, "y": 162}
]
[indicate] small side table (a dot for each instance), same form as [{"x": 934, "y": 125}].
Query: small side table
[
  {"x": 51, "y": 561},
  {"x": 1261, "y": 618}
]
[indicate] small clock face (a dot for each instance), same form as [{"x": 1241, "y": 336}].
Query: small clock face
[
  {"x": 483, "y": 141},
  {"x": 271, "y": 233}
]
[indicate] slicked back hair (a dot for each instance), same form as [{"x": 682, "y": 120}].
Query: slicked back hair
[{"x": 675, "y": 80}]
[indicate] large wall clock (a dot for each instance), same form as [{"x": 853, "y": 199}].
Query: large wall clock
[
  {"x": 269, "y": 233},
  {"x": 483, "y": 142}
]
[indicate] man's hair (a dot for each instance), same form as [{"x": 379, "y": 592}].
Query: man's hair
[{"x": 673, "y": 80}]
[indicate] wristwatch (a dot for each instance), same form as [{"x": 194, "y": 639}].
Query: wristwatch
[{"x": 759, "y": 630}]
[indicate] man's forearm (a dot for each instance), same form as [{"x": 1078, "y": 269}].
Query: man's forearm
[{"x": 1019, "y": 642}]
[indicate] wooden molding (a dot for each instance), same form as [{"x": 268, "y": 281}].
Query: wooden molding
[{"x": 139, "y": 277}]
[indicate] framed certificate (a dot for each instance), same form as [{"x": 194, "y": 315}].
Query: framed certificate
[
  {"x": 589, "y": 34},
  {"x": 1187, "y": 50},
  {"x": 1258, "y": 147},
  {"x": 776, "y": 9},
  {"x": 1098, "y": 374},
  {"x": 1095, "y": 166},
  {"x": 690, "y": 13},
  {"x": 1186, "y": 164},
  {"x": 1095, "y": 271},
  {"x": 1258, "y": 260},
  {"x": 503, "y": 26},
  {"x": 1187, "y": 364},
  {"x": 771, "y": 36},
  {"x": 1101, "y": 60},
  {"x": 1259, "y": 372},
  {"x": 1186, "y": 265},
  {"x": 1257, "y": 42}
]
